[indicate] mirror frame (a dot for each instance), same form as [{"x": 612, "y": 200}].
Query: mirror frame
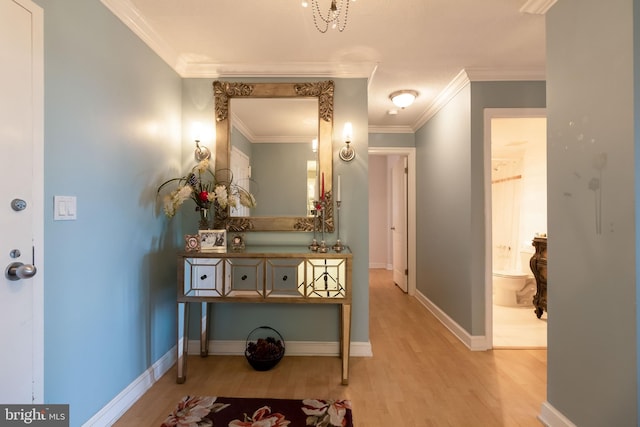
[{"x": 322, "y": 91}]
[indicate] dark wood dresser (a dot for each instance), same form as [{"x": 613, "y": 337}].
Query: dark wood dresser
[{"x": 538, "y": 265}]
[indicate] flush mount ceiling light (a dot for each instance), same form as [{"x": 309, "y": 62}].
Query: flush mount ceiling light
[
  {"x": 336, "y": 16},
  {"x": 403, "y": 98}
]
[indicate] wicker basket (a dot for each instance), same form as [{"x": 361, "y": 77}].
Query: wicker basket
[{"x": 265, "y": 348}]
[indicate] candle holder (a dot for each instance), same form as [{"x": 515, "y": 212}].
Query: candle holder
[
  {"x": 314, "y": 243},
  {"x": 338, "y": 247},
  {"x": 323, "y": 246}
]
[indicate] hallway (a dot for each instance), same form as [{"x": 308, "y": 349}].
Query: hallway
[{"x": 420, "y": 375}]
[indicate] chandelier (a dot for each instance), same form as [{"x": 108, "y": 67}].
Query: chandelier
[{"x": 336, "y": 17}]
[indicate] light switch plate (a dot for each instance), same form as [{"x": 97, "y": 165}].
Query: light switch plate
[{"x": 64, "y": 208}]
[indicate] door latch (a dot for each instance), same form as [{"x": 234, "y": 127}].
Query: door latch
[{"x": 18, "y": 205}]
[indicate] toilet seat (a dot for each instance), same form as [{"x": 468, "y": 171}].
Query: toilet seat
[{"x": 511, "y": 274}]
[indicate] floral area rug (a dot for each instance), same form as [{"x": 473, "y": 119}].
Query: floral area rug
[{"x": 205, "y": 411}]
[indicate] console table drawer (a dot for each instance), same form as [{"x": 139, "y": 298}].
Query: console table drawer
[{"x": 244, "y": 277}]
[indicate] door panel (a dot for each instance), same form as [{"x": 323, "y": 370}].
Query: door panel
[
  {"x": 21, "y": 308},
  {"x": 399, "y": 221}
]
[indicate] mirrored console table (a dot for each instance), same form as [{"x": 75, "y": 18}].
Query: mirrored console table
[{"x": 262, "y": 274}]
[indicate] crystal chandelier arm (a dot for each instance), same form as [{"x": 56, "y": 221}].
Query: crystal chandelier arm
[{"x": 332, "y": 16}]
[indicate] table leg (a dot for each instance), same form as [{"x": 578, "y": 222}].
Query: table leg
[
  {"x": 204, "y": 329},
  {"x": 346, "y": 340},
  {"x": 182, "y": 341}
]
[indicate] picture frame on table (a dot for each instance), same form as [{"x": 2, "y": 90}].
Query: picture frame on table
[
  {"x": 237, "y": 242},
  {"x": 191, "y": 243},
  {"x": 213, "y": 240}
]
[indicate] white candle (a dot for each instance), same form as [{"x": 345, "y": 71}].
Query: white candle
[{"x": 338, "y": 199}]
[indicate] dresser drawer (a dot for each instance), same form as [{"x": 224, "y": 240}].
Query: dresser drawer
[
  {"x": 203, "y": 277},
  {"x": 244, "y": 277}
]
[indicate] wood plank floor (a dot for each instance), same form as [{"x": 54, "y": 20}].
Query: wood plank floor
[{"x": 420, "y": 375}]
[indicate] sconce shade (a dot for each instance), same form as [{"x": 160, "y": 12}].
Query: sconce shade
[
  {"x": 403, "y": 98},
  {"x": 347, "y": 153}
]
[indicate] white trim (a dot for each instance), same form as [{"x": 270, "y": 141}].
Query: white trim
[
  {"x": 501, "y": 75},
  {"x": 460, "y": 81},
  {"x": 293, "y": 348},
  {"x": 131, "y": 17},
  {"x": 277, "y": 69},
  {"x": 551, "y": 417},
  {"x": 391, "y": 129},
  {"x": 410, "y": 152},
  {"x": 113, "y": 410},
  {"x": 537, "y": 7},
  {"x": 489, "y": 114},
  {"x": 473, "y": 342},
  {"x": 382, "y": 265}
]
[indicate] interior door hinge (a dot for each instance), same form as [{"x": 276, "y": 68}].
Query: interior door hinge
[{"x": 406, "y": 271}]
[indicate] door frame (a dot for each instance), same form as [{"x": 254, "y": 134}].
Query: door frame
[
  {"x": 489, "y": 114},
  {"x": 410, "y": 153}
]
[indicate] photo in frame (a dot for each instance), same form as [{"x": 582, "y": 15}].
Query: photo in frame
[
  {"x": 237, "y": 242},
  {"x": 191, "y": 243},
  {"x": 213, "y": 240}
]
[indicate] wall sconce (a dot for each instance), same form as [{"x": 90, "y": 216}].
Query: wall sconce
[
  {"x": 314, "y": 145},
  {"x": 347, "y": 153},
  {"x": 197, "y": 132}
]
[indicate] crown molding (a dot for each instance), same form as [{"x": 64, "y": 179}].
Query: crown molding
[
  {"x": 281, "y": 69},
  {"x": 130, "y": 16},
  {"x": 451, "y": 90},
  {"x": 468, "y": 75},
  {"x": 537, "y": 7},
  {"x": 502, "y": 75},
  {"x": 391, "y": 129}
]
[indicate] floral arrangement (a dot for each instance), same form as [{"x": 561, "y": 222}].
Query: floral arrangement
[{"x": 206, "y": 191}]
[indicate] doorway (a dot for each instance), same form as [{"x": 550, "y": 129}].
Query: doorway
[
  {"x": 515, "y": 172},
  {"x": 380, "y": 233}
]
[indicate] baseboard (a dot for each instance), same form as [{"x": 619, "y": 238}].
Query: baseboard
[
  {"x": 110, "y": 413},
  {"x": 551, "y": 417},
  {"x": 293, "y": 348},
  {"x": 378, "y": 265},
  {"x": 473, "y": 342}
]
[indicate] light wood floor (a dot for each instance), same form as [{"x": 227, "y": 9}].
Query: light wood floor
[{"x": 420, "y": 375}]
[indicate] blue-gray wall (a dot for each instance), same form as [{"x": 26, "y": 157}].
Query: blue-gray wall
[
  {"x": 592, "y": 273},
  {"x": 112, "y": 123},
  {"x": 450, "y": 198},
  {"x": 116, "y": 125}
]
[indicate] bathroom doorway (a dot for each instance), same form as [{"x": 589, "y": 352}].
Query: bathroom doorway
[{"x": 515, "y": 164}]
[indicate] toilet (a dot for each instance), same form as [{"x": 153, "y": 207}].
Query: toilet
[{"x": 515, "y": 288}]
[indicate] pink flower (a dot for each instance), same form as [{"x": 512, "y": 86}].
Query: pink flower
[
  {"x": 333, "y": 411},
  {"x": 190, "y": 411},
  {"x": 262, "y": 417}
]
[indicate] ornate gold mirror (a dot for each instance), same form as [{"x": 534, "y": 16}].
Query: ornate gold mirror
[{"x": 322, "y": 94}]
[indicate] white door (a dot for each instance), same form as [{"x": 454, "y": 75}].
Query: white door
[
  {"x": 241, "y": 170},
  {"x": 21, "y": 212},
  {"x": 399, "y": 221}
]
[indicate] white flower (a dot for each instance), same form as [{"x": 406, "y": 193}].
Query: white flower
[
  {"x": 222, "y": 196},
  {"x": 202, "y": 166},
  {"x": 176, "y": 198}
]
